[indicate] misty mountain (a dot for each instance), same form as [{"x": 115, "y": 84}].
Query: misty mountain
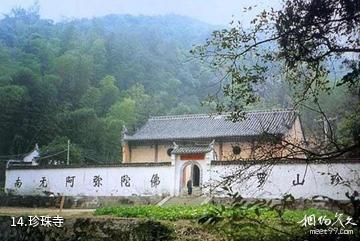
[{"x": 85, "y": 79}]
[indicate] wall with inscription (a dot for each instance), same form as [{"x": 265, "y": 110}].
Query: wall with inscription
[
  {"x": 257, "y": 181},
  {"x": 96, "y": 181},
  {"x": 299, "y": 179}
]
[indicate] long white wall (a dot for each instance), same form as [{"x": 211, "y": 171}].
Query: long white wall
[
  {"x": 100, "y": 181},
  {"x": 331, "y": 180}
]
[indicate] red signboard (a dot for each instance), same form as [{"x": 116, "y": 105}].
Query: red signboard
[{"x": 195, "y": 156}]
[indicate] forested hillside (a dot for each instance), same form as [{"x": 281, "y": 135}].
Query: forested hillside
[{"x": 85, "y": 79}]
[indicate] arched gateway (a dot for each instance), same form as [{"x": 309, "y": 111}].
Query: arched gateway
[
  {"x": 190, "y": 160},
  {"x": 191, "y": 175}
]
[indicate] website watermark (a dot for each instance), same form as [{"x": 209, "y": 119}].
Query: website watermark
[
  {"x": 330, "y": 231},
  {"x": 340, "y": 225}
]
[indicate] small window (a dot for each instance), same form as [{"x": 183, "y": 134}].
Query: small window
[
  {"x": 169, "y": 151},
  {"x": 236, "y": 150}
]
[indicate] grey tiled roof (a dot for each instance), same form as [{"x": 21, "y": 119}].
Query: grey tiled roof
[
  {"x": 191, "y": 149},
  {"x": 205, "y": 126}
]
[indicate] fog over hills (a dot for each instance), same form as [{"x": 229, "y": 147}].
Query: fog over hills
[{"x": 105, "y": 72}]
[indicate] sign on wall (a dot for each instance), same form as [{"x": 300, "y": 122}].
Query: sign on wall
[{"x": 102, "y": 181}]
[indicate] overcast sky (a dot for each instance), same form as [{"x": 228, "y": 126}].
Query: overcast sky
[{"x": 210, "y": 11}]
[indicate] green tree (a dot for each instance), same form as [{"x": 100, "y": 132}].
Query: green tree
[
  {"x": 75, "y": 69},
  {"x": 144, "y": 105},
  {"x": 91, "y": 98},
  {"x": 57, "y": 150},
  {"x": 109, "y": 93},
  {"x": 109, "y": 143},
  {"x": 124, "y": 110},
  {"x": 13, "y": 100},
  {"x": 296, "y": 42},
  {"x": 98, "y": 51}
]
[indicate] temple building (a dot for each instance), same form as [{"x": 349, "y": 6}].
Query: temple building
[
  {"x": 192, "y": 142},
  {"x": 191, "y": 137}
]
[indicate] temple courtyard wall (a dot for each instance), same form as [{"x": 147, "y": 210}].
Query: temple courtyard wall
[{"x": 258, "y": 180}]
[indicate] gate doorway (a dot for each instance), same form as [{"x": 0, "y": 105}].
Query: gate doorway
[{"x": 191, "y": 172}]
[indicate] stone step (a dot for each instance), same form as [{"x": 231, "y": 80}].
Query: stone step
[{"x": 195, "y": 192}]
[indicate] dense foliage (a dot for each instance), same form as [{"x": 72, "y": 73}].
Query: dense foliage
[
  {"x": 312, "y": 47},
  {"x": 85, "y": 79}
]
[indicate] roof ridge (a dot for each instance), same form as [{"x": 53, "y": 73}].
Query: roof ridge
[
  {"x": 185, "y": 116},
  {"x": 272, "y": 110},
  {"x": 188, "y": 116}
]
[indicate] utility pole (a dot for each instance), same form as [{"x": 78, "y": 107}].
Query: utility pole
[{"x": 68, "y": 153}]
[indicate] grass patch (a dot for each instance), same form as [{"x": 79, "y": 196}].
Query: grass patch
[
  {"x": 174, "y": 212},
  {"x": 177, "y": 212}
]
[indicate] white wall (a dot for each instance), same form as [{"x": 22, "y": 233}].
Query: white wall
[
  {"x": 280, "y": 177},
  {"x": 279, "y": 180},
  {"x": 140, "y": 181}
]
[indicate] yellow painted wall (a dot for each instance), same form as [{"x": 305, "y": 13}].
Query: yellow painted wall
[
  {"x": 296, "y": 137},
  {"x": 143, "y": 154},
  {"x": 253, "y": 150},
  {"x": 125, "y": 153},
  {"x": 162, "y": 153},
  {"x": 146, "y": 154},
  {"x": 227, "y": 150},
  {"x": 295, "y": 133}
]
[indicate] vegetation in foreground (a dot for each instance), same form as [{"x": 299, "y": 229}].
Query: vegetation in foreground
[
  {"x": 250, "y": 223},
  {"x": 177, "y": 212}
]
